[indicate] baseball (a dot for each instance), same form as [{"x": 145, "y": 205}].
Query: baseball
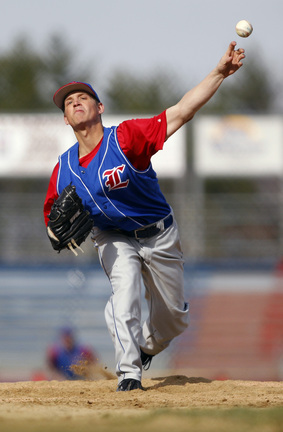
[{"x": 244, "y": 28}]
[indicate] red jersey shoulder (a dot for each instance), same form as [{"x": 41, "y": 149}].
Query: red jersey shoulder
[{"x": 141, "y": 138}]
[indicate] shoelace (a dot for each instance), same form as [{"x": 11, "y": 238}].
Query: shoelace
[
  {"x": 147, "y": 363},
  {"x": 146, "y": 360}
]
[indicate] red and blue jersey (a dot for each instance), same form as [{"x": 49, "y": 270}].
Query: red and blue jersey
[{"x": 117, "y": 184}]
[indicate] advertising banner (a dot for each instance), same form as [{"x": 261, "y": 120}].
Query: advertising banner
[
  {"x": 238, "y": 145},
  {"x": 30, "y": 145}
]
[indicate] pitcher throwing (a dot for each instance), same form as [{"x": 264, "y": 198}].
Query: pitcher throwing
[{"x": 134, "y": 229}]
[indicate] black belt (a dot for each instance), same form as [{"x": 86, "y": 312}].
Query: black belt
[{"x": 150, "y": 230}]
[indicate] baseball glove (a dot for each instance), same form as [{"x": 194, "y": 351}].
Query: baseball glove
[{"x": 69, "y": 223}]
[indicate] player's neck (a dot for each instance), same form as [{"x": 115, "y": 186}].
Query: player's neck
[{"x": 88, "y": 139}]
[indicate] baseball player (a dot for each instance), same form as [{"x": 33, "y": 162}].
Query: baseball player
[
  {"x": 63, "y": 356},
  {"x": 134, "y": 230}
]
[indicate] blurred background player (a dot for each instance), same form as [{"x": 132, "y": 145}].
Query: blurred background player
[{"x": 68, "y": 359}]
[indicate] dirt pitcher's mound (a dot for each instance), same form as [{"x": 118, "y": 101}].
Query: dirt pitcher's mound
[
  {"x": 168, "y": 403},
  {"x": 43, "y": 399}
]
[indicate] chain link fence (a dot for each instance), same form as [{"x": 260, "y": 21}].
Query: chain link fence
[{"x": 214, "y": 228}]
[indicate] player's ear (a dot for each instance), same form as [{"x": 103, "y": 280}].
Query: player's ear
[
  {"x": 100, "y": 108},
  {"x": 66, "y": 120}
]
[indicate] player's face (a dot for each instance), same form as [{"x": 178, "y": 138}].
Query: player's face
[{"x": 82, "y": 109}]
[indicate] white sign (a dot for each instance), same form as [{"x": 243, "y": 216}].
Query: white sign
[
  {"x": 238, "y": 145},
  {"x": 30, "y": 145}
]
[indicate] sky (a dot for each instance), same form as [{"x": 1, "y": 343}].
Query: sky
[{"x": 183, "y": 37}]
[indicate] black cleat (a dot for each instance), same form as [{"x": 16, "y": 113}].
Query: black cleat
[
  {"x": 146, "y": 360},
  {"x": 129, "y": 384}
]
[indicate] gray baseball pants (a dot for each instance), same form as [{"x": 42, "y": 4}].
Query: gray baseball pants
[{"x": 158, "y": 261}]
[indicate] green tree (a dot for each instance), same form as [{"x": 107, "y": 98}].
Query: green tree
[
  {"x": 127, "y": 93},
  {"x": 250, "y": 91},
  {"x": 28, "y": 79},
  {"x": 60, "y": 67},
  {"x": 20, "y": 71}
]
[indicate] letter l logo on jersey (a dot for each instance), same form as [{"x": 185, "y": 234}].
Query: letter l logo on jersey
[{"x": 113, "y": 178}]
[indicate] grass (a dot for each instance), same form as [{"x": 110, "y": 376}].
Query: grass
[{"x": 163, "y": 420}]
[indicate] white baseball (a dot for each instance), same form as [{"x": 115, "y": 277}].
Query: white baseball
[{"x": 244, "y": 28}]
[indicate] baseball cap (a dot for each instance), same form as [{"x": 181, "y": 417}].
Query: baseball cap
[{"x": 61, "y": 94}]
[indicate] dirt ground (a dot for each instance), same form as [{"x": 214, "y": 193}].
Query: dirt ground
[
  {"x": 77, "y": 397},
  {"x": 43, "y": 400}
]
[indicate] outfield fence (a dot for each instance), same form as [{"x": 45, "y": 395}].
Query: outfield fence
[{"x": 219, "y": 227}]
